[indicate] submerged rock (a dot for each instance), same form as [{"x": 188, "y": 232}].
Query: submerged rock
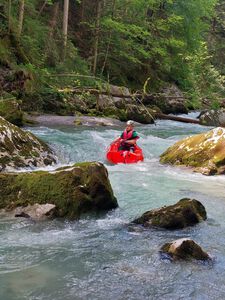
[
  {"x": 184, "y": 249},
  {"x": 19, "y": 149},
  {"x": 74, "y": 190},
  {"x": 186, "y": 212},
  {"x": 36, "y": 211},
  {"x": 205, "y": 152}
]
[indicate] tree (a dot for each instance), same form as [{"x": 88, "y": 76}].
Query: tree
[
  {"x": 97, "y": 32},
  {"x": 65, "y": 27},
  {"x": 21, "y": 16}
]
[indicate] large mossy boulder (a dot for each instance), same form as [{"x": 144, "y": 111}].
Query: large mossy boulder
[
  {"x": 205, "y": 152},
  {"x": 19, "y": 149},
  {"x": 81, "y": 188},
  {"x": 184, "y": 249},
  {"x": 10, "y": 110},
  {"x": 186, "y": 212}
]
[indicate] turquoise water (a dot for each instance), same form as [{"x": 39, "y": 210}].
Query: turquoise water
[{"x": 106, "y": 258}]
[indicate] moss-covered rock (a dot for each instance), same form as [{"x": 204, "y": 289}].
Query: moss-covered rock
[
  {"x": 10, "y": 110},
  {"x": 186, "y": 212},
  {"x": 184, "y": 249},
  {"x": 140, "y": 114},
  {"x": 74, "y": 190},
  {"x": 205, "y": 152},
  {"x": 19, "y": 148}
]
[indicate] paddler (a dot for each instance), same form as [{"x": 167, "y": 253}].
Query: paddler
[{"x": 128, "y": 138}]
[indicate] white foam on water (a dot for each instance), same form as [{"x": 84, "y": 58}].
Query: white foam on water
[{"x": 98, "y": 257}]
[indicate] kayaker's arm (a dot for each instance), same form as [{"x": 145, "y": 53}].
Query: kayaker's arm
[
  {"x": 131, "y": 142},
  {"x": 117, "y": 140}
]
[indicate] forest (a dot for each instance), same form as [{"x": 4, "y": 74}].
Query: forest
[
  {"x": 112, "y": 138},
  {"x": 49, "y": 47}
]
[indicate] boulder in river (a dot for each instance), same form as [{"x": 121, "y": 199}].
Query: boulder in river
[
  {"x": 184, "y": 249},
  {"x": 205, "y": 152},
  {"x": 74, "y": 190},
  {"x": 186, "y": 212},
  {"x": 212, "y": 117},
  {"x": 19, "y": 149}
]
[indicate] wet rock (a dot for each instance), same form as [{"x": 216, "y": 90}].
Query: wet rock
[
  {"x": 186, "y": 212},
  {"x": 184, "y": 249},
  {"x": 22, "y": 215},
  {"x": 204, "y": 152},
  {"x": 36, "y": 211},
  {"x": 19, "y": 149},
  {"x": 74, "y": 190},
  {"x": 10, "y": 110},
  {"x": 212, "y": 117}
]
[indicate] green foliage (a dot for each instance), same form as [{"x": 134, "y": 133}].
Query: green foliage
[{"x": 139, "y": 43}]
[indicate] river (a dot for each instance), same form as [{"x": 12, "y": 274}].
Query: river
[{"x": 105, "y": 258}]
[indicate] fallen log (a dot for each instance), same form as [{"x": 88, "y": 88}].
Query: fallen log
[{"x": 176, "y": 118}]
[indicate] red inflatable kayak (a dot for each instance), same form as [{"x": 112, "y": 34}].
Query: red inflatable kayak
[{"x": 120, "y": 156}]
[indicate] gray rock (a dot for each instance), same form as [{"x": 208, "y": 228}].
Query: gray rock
[
  {"x": 36, "y": 211},
  {"x": 19, "y": 149},
  {"x": 212, "y": 117},
  {"x": 170, "y": 100},
  {"x": 140, "y": 114}
]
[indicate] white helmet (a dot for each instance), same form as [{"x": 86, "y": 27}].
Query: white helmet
[{"x": 130, "y": 122}]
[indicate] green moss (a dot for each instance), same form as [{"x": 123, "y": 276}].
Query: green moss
[
  {"x": 10, "y": 110},
  {"x": 74, "y": 190},
  {"x": 204, "y": 152},
  {"x": 186, "y": 212}
]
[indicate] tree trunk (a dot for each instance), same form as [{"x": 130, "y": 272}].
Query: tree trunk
[
  {"x": 21, "y": 17},
  {"x": 82, "y": 10},
  {"x": 9, "y": 15},
  {"x": 176, "y": 118},
  {"x": 42, "y": 8},
  {"x": 98, "y": 15},
  {"x": 49, "y": 43},
  {"x": 65, "y": 27},
  {"x": 110, "y": 37},
  {"x": 53, "y": 21}
]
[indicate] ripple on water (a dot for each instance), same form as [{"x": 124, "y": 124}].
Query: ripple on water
[{"x": 106, "y": 257}]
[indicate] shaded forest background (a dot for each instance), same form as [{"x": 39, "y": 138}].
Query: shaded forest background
[{"x": 48, "y": 45}]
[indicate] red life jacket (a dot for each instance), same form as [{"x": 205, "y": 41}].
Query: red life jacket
[{"x": 127, "y": 135}]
